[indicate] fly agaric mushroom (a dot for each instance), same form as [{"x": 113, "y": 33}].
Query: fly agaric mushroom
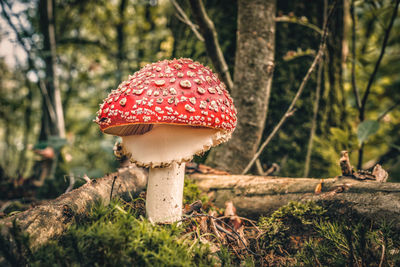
[{"x": 166, "y": 113}]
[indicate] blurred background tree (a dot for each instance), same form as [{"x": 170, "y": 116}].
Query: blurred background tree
[{"x": 97, "y": 44}]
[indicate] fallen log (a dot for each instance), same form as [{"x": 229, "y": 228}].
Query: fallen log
[
  {"x": 51, "y": 218},
  {"x": 254, "y": 196}
]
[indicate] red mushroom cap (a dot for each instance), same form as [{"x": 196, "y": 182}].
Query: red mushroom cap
[{"x": 179, "y": 91}]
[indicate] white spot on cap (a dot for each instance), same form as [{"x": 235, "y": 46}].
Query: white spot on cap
[
  {"x": 122, "y": 102},
  {"x": 185, "y": 84},
  {"x": 172, "y": 91},
  {"x": 159, "y": 82},
  {"x": 201, "y": 90},
  {"x": 211, "y": 90},
  {"x": 189, "y": 108}
]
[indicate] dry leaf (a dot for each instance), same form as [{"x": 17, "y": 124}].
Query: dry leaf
[
  {"x": 380, "y": 174},
  {"x": 318, "y": 188}
]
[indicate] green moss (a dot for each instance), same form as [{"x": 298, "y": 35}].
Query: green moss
[
  {"x": 115, "y": 236},
  {"x": 294, "y": 219},
  {"x": 191, "y": 193},
  {"x": 308, "y": 234}
]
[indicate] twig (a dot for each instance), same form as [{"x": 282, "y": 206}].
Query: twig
[
  {"x": 382, "y": 256},
  {"x": 112, "y": 187},
  {"x": 71, "y": 183},
  {"x": 388, "y": 110},
  {"x": 184, "y": 18},
  {"x": 353, "y": 54},
  {"x": 291, "y": 109},
  {"x": 378, "y": 62},
  {"x": 210, "y": 36},
  {"x": 299, "y": 21},
  {"x": 187, "y": 217},
  {"x": 260, "y": 169},
  {"x": 316, "y": 106},
  {"x": 86, "y": 178}
]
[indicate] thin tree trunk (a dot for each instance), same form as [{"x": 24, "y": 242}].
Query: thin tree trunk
[
  {"x": 52, "y": 123},
  {"x": 254, "y": 65},
  {"x": 316, "y": 106},
  {"x": 120, "y": 39},
  {"x": 56, "y": 127}
]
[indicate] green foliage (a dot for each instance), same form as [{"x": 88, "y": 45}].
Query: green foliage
[
  {"x": 310, "y": 235},
  {"x": 191, "y": 193},
  {"x": 366, "y": 129},
  {"x": 341, "y": 243},
  {"x": 114, "y": 235},
  {"x": 294, "y": 218},
  {"x": 328, "y": 148}
]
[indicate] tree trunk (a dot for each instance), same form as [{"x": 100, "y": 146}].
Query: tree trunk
[
  {"x": 254, "y": 196},
  {"x": 52, "y": 218},
  {"x": 52, "y": 123},
  {"x": 254, "y": 65},
  {"x": 50, "y": 126}
]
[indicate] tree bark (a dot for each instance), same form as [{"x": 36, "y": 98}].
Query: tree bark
[
  {"x": 254, "y": 196},
  {"x": 254, "y": 65},
  {"x": 50, "y": 126},
  {"x": 52, "y": 218}
]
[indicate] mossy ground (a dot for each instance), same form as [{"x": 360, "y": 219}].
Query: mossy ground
[{"x": 298, "y": 234}]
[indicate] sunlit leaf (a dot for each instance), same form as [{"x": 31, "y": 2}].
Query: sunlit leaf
[{"x": 366, "y": 129}]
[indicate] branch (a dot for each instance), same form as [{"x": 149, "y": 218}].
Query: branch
[
  {"x": 353, "y": 53},
  {"x": 184, "y": 18},
  {"x": 378, "y": 62},
  {"x": 300, "y": 21},
  {"x": 210, "y": 36},
  {"x": 291, "y": 109},
  {"x": 389, "y": 109}
]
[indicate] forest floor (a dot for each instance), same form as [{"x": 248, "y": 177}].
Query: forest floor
[{"x": 306, "y": 233}]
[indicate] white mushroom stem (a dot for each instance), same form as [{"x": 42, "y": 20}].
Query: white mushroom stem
[{"x": 165, "y": 193}]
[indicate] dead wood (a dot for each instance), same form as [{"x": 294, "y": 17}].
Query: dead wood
[
  {"x": 54, "y": 216},
  {"x": 261, "y": 195}
]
